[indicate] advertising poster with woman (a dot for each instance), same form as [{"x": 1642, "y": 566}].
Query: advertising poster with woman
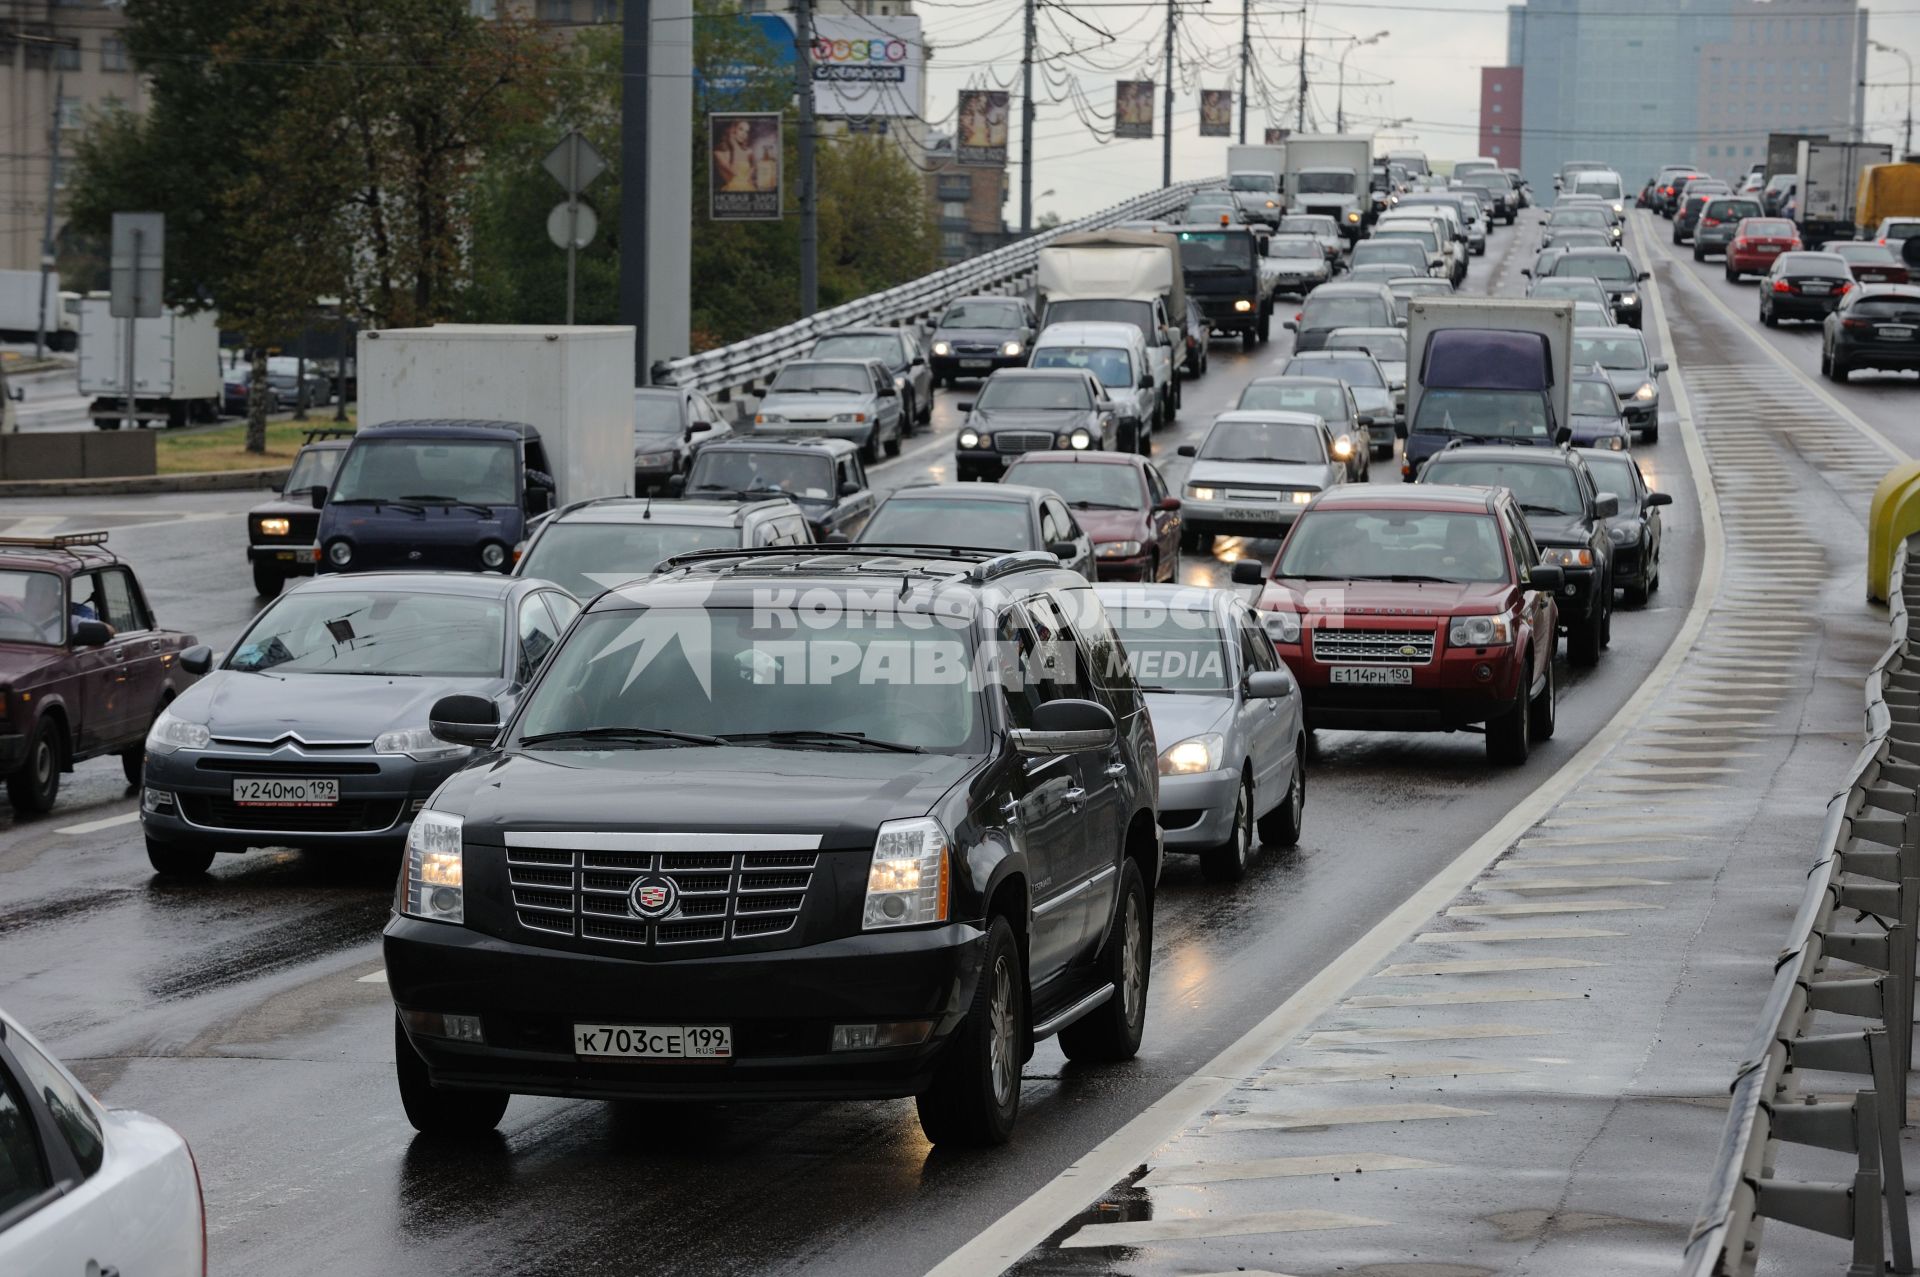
[
  {"x": 983, "y": 128},
  {"x": 1133, "y": 108},
  {"x": 743, "y": 166},
  {"x": 1216, "y": 112}
]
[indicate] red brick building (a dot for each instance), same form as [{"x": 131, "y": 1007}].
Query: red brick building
[{"x": 1500, "y": 114}]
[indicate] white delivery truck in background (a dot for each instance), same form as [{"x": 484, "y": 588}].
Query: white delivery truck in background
[
  {"x": 1129, "y": 277},
  {"x": 20, "y": 304},
  {"x": 574, "y": 385},
  {"x": 176, "y": 365},
  {"x": 1486, "y": 368},
  {"x": 1331, "y": 174},
  {"x": 1257, "y": 177},
  {"x": 1829, "y": 182}
]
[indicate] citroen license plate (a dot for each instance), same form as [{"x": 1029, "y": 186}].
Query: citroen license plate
[
  {"x": 1374, "y": 675},
  {"x": 285, "y": 791},
  {"x": 654, "y": 1041}
]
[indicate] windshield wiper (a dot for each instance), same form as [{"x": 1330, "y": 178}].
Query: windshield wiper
[
  {"x": 434, "y": 498},
  {"x": 1097, "y": 505},
  {"x": 397, "y": 503},
  {"x": 631, "y": 734},
  {"x": 1544, "y": 509},
  {"x": 811, "y": 734}
]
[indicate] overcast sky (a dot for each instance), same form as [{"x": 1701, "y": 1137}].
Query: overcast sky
[{"x": 1432, "y": 57}]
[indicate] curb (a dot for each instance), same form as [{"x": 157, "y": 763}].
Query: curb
[{"x": 206, "y": 481}]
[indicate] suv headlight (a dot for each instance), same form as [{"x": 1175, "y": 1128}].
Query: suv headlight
[
  {"x": 170, "y": 733},
  {"x": 942, "y": 348},
  {"x": 1242, "y": 305},
  {"x": 1116, "y": 549},
  {"x": 1647, "y": 391},
  {"x": 1568, "y": 558},
  {"x": 1624, "y": 534},
  {"x": 1193, "y": 755},
  {"x": 1281, "y": 627},
  {"x": 1479, "y": 631},
  {"x": 419, "y": 744},
  {"x": 436, "y": 870},
  {"x": 1011, "y": 349},
  {"x": 907, "y": 881}
]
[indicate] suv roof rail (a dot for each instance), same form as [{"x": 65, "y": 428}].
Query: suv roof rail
[{"x": 57, "y": 540}]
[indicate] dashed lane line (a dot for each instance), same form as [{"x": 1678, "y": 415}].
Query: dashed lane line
[
  {"x": 1162, "y": 1230},
  {"x": 95, "y": 826},
  {"x": 1457, "y": 998},
  {"x": 1482, "y": 966},
  {"x": 1356, "y": 1115}
]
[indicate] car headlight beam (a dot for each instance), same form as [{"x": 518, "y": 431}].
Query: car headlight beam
[
  {"x": 1193, "y": 755},
  {"x": 907, "y": 880},
  {"x": 435, "y": 883}
]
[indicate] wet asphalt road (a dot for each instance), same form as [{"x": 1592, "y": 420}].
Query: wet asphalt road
[{"x": 248, "y": 1010}]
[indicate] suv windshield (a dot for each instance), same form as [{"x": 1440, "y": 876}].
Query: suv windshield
[
  {"x": 1106, "y": 487},
  {"x": 1310, "y": 224},
  {"x": 473, "y": 470},
  {"x": 1215, "y": 251},
  {"x": 1503, "y": 414},
  {"x": 1624, "y": 351},
  {"x": 744, "y": 470},
  {"x": 828, "y": 379},
  {"x": 981, "y": 315},
  {"x": 1582, "y": 215},
  {"x": 1110, "y": 364},
  {"x": 314, "y": 468},
  {"x": 1036, "y": 394},
  {"x": 30, "y": 607},
  {"x": 1281, "y": 442},
  {"x": 1171, "y": 649},
  {"x": 1347, "y": 545},
  {"x": 374, "y": 632},
  {"x": 965, "y": 523},
  {"x": 1395, "y": 250},
  {"x": 882, "y": 346},
  {"x": 586, "y": 558},
  {"x": 1547, "y": 489}
]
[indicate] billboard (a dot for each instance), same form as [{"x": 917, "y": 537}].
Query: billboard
[
  {"x": 1278, "y": 137},
  {"x": 1216, "y": 112},
  {"x": 868, "y": 66},
  {"x": 983, "y": 128},
  {"x": 743, "y": 166},
  {"x": 1133, "y": 108}
]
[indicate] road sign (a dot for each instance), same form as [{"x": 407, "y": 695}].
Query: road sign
[
  {"x": 137, "y": 263},
  {"x": 583, "y": 223},
  {"x": 574, "y": 163}
]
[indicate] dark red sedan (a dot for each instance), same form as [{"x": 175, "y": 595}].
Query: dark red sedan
[
  {"x": 1123, "y": 503},
  {"x": 1872, "y": 263},
  {"x": 1756, "y": 242}
]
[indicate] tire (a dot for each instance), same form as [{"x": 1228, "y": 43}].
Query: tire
[
  {"x": 1266, "y": 326},
  {"x": 436, "y": 1110},
  {"x": 1733, "y": 276},
  {"x": 1112, "y": 1031},
  {"x": 1651, "y": 434},
  {"x": 1510, "y": 736},
  {"x": 170, "y": 860},
  {"x": 870, "y": 450},
  {"x": 1228, "y": 861},
  {"x": 133, "y": 762},
  {"x": 893, "y": 444},
  {"x": 1281, "y": 826},
  {"x": 1584, "y": 640},
  {"x": 267, "y": 580},
  {"x": 1128, "y": 440},
  {"x": 1635, "y": 595},
  {"x": 35, "y": 786},
  {"x": 1698, "y": 254},
  {"x": 974, "y": 1098},
  {"x": 1177, "y": 400},
  {"x": 1543, "y": 710},
  {"x": 1841, "y": 372},
  {"x": 1196, "y": 542},
  {"x": 1142, "y": 442},
  {"x": 1767, "y": 318},
  {"x": 909, "y": 415}
]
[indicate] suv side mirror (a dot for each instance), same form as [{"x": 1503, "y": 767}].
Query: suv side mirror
[
  {"x": 1606, "y": 505},
  {"x": 197, "y": 659},
  {"x": 699, "y": 426},
  {"x": 1065, "y": 727},
  {"x": 1186, "y": 450},
  {"x": 1546, "y": 576},
  {"x": 318, "y": 495},
  {"x": 1658, "y": 498},
  {"x": 676, "y": 483},
  {"x": 1643, "y": 276},
  {"x": 918, "y": 361},
  {"x": 464, "y": 720},
  {"x": 966, "y": 405},
  {"x": 1268, "y": 685},
  {"x": 1247, "y": 572}
]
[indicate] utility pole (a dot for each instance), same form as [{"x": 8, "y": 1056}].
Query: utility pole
[
  {"x": 1166, "y": 142},
  {"x": 1300, "y": 116},
  {"x": 636, "y": 85},
  {"x": 1027, "y": 113},
  {"x": 1246, "y": 53},
  {"x": 809, "y": 193},
  {"x": 46, "y": 237}
]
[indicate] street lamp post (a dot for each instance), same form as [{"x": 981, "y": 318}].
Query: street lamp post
[
  {"x": 1340, "y": 98},
  {"x": 1906, "y": 147}
]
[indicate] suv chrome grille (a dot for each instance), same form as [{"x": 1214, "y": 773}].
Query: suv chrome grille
[
  {"x": 1373, "y": 647},
  {"x": 742, "y": 895},
  {"x": 1022, "y": 441}
]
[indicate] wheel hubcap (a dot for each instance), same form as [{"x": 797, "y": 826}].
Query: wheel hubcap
[
  {"x": 1133, "y": 972},
  {"x": 1299, "y": 794},
  {"x": 1000, "y": 1035},
  {"x": 1242, "y": 827},
  {"x": 42, "y": 764}
]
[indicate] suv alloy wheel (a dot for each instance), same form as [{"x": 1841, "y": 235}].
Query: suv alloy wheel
[
  {"x": 1510, "y": 736},
  {"x": 974, "y": 1097},
  {"x": 1112, "y": 1030}
]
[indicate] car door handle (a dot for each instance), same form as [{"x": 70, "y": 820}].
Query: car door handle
[
  {"x": 1116, "y": 769},
  {"x": 1011, "y": 810},
  {"x": 1075, "y": 796}
]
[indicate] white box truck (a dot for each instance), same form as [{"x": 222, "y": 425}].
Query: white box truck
[
  {"x": 1257, "y": 177},
  {"x": 1330, "y": 174},
  {"x": 1485, "y": 368},
  {"x": 1829, "y": 179},
  {"x": 573, "y": 385},
  {"x": 1129, "y": 277},
  {"x": 20, "y": 304},
  {"x": 176, "y": 365}
]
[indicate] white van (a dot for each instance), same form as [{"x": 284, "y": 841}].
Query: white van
[
  {"x": 1115, "y": 353},
  {"x": 1606, "y": 184}
]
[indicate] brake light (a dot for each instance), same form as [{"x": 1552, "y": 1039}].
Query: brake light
[
  {"x": 1782, "y": 286},
  {"x": 1709, "y": 221},
  {"x": 1843, "y": 288},
  {"x": 1740, "y": 243},
  {"x": 1857, "y": 325}
]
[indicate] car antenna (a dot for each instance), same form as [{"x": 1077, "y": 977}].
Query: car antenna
[{"x": 646, "y": 511}]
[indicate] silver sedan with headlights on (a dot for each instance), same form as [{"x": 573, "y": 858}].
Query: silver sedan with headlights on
[
  {"x": 1226, "y": 716},
  {"x": 312, "y": 733},
  {"x": 853, "y": 399},
  {"x": 1254, "y": 473}
]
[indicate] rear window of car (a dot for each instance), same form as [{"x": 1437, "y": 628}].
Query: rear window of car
[
  {"x": 1865, "y": 253},
  {"x": 1767, "y": 227},
  {"x": 77, "y": 1124},
  {"x": 1907, "y": 308},
  {"x": 1343, "y": 312},
  {"x": 1813, "y": 264},
  {"x": 1728, "y": 210}
]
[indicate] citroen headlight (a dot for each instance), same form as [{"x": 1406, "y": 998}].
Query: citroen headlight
[
  {"x": 1568, "y": 558},
  {"x": 942, "y": 348},
  {"x": 970, "y": 439},
  {"x": 436, "y": 873},
  {"x": 170, "y": 733},
  {"x": 1647, "y": 391},
  {"x": 1243, "y": 305},
  {"x": 1011, "y": 349},
  {"x": 1479, "y": 631},
  {"x": 907, "y": 881},
  {"x": 1079, "y": 439},
  {"x": 1281, "y": 627},
  {"x": 275, "y": 527},
  {"x": 768, "y": 419},
  {"x": 849, "y": 418},
  {"x": 1116, "y": 549},
  {"x": 419, "y": 744},
  {"x": 1193, "y": 755},
  {"x": 1199, "y": 493}
]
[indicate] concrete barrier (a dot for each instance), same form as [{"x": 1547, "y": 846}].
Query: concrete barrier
[{"x": 76, "y": 454}]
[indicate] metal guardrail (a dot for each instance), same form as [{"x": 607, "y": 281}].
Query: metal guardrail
[
  {"x": 729, "y": 370},
  {"x": 1861, "y": 907}
]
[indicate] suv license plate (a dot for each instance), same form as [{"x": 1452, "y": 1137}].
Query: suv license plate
[
  {"x": 976, "y": 363},
  {"x": 1374, "y": 675},
  {"x": 285, "y": 792},
  {"x": 1896, "y": 332},
  {"x": 654, "y": 1041}
]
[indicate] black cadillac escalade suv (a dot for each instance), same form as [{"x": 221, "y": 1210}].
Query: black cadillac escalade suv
[{"x": 807, "y": 822}]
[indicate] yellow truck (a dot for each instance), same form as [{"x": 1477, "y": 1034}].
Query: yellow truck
[{"x": 1886, "y": 190}]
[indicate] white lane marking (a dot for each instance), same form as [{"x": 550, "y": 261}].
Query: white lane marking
[
  {"x": 1327, "y": 1074},
  {"x": 1421, "y": 1033},
  {"x": 377, "y": 977},
  {"x": 95, "y": 826},
  {"x": 1482, "y": 966},
  {"x": 1282, "y": 1168},
  {"x": 1498, "y": 935},
  {"x": 1463, "y": 998},
  {"x": 1571, "y": 862},
  {"x": 1134, "y": 1232},
  {"x": 1027, "y": 1225},
  {"x": 1499, "y": 883},
  {"x": 1244, "y": 1272},
  {"x": 1318, "y": 1119},
  {"x": 1540, "y": 908}
]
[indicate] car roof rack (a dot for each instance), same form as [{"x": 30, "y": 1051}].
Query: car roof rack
[
  {"x": 67, "y": 543},
  {"x": 318, "y": 433},
  {"x": 983, "y": 565}
]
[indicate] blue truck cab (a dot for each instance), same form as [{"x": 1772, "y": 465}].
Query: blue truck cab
[
  {"x": 1484, "y": 385},
  {"x": 433, "y": 494}
]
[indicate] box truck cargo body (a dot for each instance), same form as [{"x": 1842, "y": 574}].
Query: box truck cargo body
[{"x": 176, "y": 365}]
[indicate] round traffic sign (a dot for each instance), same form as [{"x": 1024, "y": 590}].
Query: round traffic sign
[{"x": 585, "y": 224}]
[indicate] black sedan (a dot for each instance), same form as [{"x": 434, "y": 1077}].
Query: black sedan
[
  {"x": 1635, "y": 528},
  {"x": 976, "y": 335},
  {"x": 313, "y": 731},
  {"x": 670, "y": 426},
  {"x": 1803, "y": 286},
  {"x": 1024, "y": 410},
  {"x": 1617, "y": 274},
  {"x": 1006, "y": 517},
  {"x": 1875, "y": 326}
]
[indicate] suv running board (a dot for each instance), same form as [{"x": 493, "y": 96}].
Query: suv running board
[{"x": 1047, "y": 1028}]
